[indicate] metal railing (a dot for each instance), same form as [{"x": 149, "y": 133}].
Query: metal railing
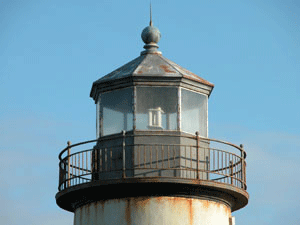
[{"x": 207, "y": 159}]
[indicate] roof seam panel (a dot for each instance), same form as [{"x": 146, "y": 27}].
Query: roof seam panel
[
  {"x": 164, "y": 59},
  {"x": 186, "y": 72},
  {"x": 116, "y": 73},
  {"x": 134, "y": 71}
]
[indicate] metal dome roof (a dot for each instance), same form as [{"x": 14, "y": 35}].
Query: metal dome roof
[{"x": 150, "y": 63}]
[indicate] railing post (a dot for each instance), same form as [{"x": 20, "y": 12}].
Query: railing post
[
  {"x": 242, "y": 166},
  {"x": 124, "y": 160},
  {"x": 197, "y": 157},
  {"x": 69, "y": 163},
  {"x": 207, "y": 166},
  {"x": 231, "y": 172},
  {"x": 62, "y": 176}
]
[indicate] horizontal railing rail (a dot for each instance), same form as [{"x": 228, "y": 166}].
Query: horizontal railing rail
[{"x": 207, "y": 159}]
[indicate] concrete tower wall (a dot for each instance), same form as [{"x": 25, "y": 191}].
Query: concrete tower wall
[{"x": 154, "y": 210}]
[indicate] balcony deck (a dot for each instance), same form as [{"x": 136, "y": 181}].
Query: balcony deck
[{"x": 211, "y": 164}]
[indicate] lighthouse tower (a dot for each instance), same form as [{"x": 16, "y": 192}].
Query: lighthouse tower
[{"x": 152, "y": 161}]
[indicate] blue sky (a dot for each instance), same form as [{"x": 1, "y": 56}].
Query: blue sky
[{"x": 52, "y": 51}]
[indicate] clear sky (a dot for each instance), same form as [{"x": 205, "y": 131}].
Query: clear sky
[{"x": 52, "y": 51}]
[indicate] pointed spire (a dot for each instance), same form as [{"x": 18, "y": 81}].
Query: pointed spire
[
  {"x": 151, "y": 37},
  {"x": 150, "y": 14}
]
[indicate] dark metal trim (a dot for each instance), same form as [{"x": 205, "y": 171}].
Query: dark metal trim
[{"x": 82, "y": 194}]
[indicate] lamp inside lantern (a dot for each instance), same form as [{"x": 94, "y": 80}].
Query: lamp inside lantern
[{"x": 155, "y": 118}]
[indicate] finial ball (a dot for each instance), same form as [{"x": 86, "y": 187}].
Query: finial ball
[{"x": 151, "y": 35}]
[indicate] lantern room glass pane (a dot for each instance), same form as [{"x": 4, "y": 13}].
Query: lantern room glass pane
[
  {"x": 156, "y": 108},
  {"x": 116, "y": 111},
  {"x": 193, "y": 112}
]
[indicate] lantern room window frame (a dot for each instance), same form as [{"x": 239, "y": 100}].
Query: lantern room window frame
[
  {"x": 156, "y": 101},
  {"x": 154, "y": 126},
  {"x": 204, "y": 118},
  {"x": 101, "y": 130}
]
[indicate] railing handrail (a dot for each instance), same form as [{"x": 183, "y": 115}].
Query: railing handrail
[
  {"x": 80, "y": 165},
  {"x": 242, "y": 151},
  {"x": 74, "y": 145}
]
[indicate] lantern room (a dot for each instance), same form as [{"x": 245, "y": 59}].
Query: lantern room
[{"x": 151, "y": 93}]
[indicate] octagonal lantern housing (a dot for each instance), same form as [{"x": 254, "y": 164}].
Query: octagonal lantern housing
[{"x": 151, "y": 93}]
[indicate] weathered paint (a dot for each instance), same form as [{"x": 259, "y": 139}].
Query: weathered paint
[
  {"x": 150, "y": 67},
  {"x": 154, "y": 210}
]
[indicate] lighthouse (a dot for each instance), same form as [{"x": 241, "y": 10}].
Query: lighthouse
[{"x": 152, "y": 161}]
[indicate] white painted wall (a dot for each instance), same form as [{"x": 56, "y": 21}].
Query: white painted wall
[{"x": 153, "y": 210}]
